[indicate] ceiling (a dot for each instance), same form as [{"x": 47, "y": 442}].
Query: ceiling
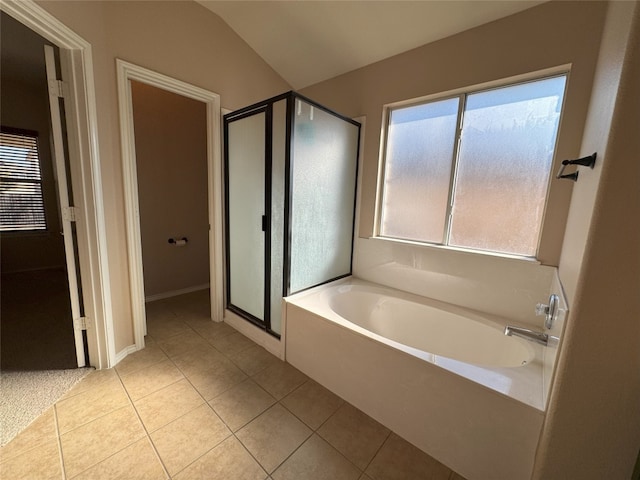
[{"x": 310, "y": 41}]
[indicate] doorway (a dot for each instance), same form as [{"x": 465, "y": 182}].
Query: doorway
[
  {"x": 78, "y": 89},
  {"x": 36, "y": 304},
  {"x": 171, "y": 166},
  {"x": 168, "y": 241}
]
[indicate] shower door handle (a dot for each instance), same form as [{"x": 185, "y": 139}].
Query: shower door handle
[{"x": 264, "y": 223}]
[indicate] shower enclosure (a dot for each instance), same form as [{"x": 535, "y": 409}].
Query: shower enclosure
[{"x": 290, "y": 186}]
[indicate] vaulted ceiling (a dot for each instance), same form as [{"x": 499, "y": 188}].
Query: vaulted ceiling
[{"x": 310, "y": 41}]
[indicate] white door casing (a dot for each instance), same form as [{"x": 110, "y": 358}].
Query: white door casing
[{"x": 126, "y": 72}]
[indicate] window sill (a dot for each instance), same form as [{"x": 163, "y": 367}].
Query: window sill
[{"x": 461, "y": 250}]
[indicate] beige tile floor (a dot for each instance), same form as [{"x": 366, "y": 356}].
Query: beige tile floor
[{"x": 202, "y": 401}]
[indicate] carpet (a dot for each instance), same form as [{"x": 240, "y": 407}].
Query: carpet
[
  {"x": 25, "y": 395},
  {"x": 36, "y": 332}
]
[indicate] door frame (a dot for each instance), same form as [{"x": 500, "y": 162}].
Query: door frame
[
  {"x": 84, "y": 162},
  {"x": 126, "y": 72}
]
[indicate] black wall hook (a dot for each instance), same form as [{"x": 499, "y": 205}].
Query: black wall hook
[{"x": 588, "y": 161}]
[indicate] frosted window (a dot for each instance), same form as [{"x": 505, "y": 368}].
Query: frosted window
[
  {"x": 277, "y": 211},
  {"x": 502, "y": 162},
  {"x": 509, "y": 136},
  {"x": 246, "y": 144},
  {"x": 420, "y": 143},
  {"x": 324, "y": 177}
]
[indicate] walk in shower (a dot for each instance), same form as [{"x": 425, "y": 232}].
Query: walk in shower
[{"x": 290, "y": 189}]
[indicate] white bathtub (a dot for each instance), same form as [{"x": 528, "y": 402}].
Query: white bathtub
[{"x": 445, "y": 378}]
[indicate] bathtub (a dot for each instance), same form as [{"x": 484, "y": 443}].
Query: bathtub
[
  {"x": 426, "y": 328},
  {"x": 443, "y": 377}
]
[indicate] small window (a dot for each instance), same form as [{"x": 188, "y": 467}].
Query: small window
[
  {"x": 473, "y": 170},
  {"x": 21, "y": 200}
]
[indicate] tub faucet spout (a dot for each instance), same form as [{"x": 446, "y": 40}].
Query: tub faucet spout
[{"x": 531, "y": 335}]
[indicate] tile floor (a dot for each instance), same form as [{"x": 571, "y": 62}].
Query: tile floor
[{"x": 202, "y": 401}]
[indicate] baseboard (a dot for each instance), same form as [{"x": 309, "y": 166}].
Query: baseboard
[
  {"x": 175, "y": 293},
  {"x": 36, "y": 269},
  {"x": 262, "y": 338},
  {"x": 123, "y": 353}
]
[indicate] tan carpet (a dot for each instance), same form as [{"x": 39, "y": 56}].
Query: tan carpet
[{"x": 26, "y": 395}]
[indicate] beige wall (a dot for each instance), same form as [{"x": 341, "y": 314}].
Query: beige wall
[
  {"x": 25, "y": 104},
  {"x": 552, "y": 34},
  {"x": 171, "y": 159},
  {"x": 592, "y": 430},
  {"x": 180, "y": 39},
  {"x": 595, "y": 139}
]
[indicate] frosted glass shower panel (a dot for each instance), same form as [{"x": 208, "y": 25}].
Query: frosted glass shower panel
[
  {"x": 278, "y": 148},
  {"x": 246, "y": 195},
  {"x": 325, "y": 151}
]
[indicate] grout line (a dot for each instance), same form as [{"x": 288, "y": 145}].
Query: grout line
[
  {"x": 294, "y": 451},
  {"x": 317, "y": 432},
  {"x": 114, "y": 453},
  {"x": 185, "y": 377},
  {"x": 205, "y": 453},
  {"x": 378, "y": 450},
  {"x": 148, "y": 434},
  {"x": 296, "y": 388},
  {"x": 144, "y": 428},
  {"x": 144, "y": 365},
  {"x": 102, "y": 413},
  {"x": 204, "y": 402},
  {"x": 300, "y": 418},
  {"x": 233, "y": 434},
  {"x": 60, "y": 453},
  {"x": 331, "y": 416},
  {"x": 141, "y": 368},
  {"x": 344, "y": 456},
  {"x": 155, "y": 391},
  {"x": 226, "y": 356},
  {"x": 248, "y": 379},
  {"x": 252, "y": 456},
  {"x": 76, "y": 390}
]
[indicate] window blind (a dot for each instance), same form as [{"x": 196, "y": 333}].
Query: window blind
[{"x": 21, "y": 199}]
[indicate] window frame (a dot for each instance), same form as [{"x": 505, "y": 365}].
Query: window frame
[
  {"x": 461, "y": 94},
  {"x": 33, "y": 134}
]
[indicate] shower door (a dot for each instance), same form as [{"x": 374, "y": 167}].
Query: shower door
[
  {"x": 290, "y": 180},
  {"x": 248, "y": 172}
]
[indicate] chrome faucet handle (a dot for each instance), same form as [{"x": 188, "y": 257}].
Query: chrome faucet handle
[{"x": 549, "y": 311}]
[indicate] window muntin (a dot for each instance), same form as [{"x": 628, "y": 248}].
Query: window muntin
[
  {"x": 501, "y": 161},
  {"x": 21, "y": 198}
]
